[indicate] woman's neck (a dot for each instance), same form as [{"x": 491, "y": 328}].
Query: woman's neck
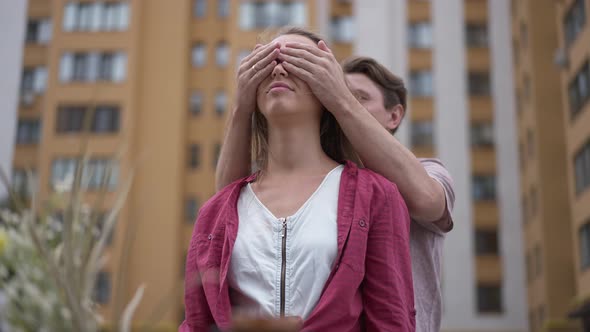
[{"x": 297, "y": 150}]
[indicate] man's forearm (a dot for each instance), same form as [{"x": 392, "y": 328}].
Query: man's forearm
[
  {"x": 235, "y": 156},
  {"x": 384, "y": 154}
]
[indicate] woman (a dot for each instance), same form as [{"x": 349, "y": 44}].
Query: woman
[{"x": 310, "y": 234}]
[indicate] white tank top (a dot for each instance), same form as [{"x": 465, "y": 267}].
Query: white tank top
[{"x": 284, "y": 258}]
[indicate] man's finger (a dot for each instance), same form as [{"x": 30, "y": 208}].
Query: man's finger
[
  {"x": 257, "y": 63},
  {"x": 264, "y": 72},
  {"x": 301, "y": 53},
  {"x": 322, "y": 46},
  {"x": 260, "y": 52},
  {"x": 300, "y": 62},
  {"x": 310, "y": 48},
  {"x": 297, "y": 71}
]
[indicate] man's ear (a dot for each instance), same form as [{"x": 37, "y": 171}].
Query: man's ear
[{"x": 396, "y": 114}]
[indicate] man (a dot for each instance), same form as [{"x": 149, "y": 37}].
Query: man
[{"x": 369, "y": 103}]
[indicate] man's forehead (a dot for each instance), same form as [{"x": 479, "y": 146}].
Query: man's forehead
[{"x": 355, "y": 86}]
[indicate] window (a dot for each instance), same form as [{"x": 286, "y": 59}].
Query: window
[
  {"x": 196, "y": 103},
  {"x": 38, "y": 31},
  {"x": 70, "y": 119},
  {"x": 216, "y": 152},
  {"x": 96, "y": 16},
  {"x": 420, "y": 35},
  {"x": 479, "y": 84},
  {"x": 102, "y": 288},
  {"x": 482, "y": 134},
  {"x": 579, "y": 90},
  {"x": 266, "y": 14},
  {"x": 33, "y": 82},
  {"x": 106, "y": 119},
  {"x": 489, "y": 298},
  {"x": 116, "y": 16},
  {"x": 528, "y": 267},
  {"x": 199, "y": 55},
  {"x": 515, "y": 52},
  {"x": 28, "y": 79},
  {"x": 422, "y": 133},
  {"x": 574, "y": 21},
  {"x": 521, "y": 156},
  {"x": 538, "y": 261},
  {"x": 80, "y": 67},
  {"x": 199, "y": 8},
  {"x": 484, "y": 187},
  {"x": 534, "y": 203},
  {"x": 530, "y": 139},
  {"x": 343, "y": 29},
  {"x": 21, "y": 179},
  {"x": 102, "y": 219},
  {"x": 220, "y": 102},
  {"x": 222, "y": 54},
  {"x": 421, "y": 83},
  {"x": 192, "y": 209},
  {"x": 96, "y": 170},
  {"x": 28, "y": 132},
  {"x": 90, "y": 67},
  {"x": 63, "y": 171},
  {"x": 582, "y": 168},
  {"x": 524, "y": 35},
  {"x": 477, "y": 35},
  {"x": 223, "y": 8},
  {"x": 105, "y": 69},
  {"x": 525, "y": 211},
  {"x": 486, "y": 242},
  {"x": 584, "y": 238},
  {"x": 194, "y": 159},
  {"x": 518, "y": 101},
  {"x": 527, "y": 87}
]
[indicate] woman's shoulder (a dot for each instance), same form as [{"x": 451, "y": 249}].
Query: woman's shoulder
[
  {"x": 368, "y": 178},
  {"x": 222, "y": 200}
]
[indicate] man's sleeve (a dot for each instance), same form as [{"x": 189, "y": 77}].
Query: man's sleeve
[{"x": 437, "y": 171}]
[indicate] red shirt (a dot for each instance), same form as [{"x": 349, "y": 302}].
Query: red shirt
[{"x": 370, "y": 286}]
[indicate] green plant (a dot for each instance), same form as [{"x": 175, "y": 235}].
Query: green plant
[{"x": 51, "y": 253}]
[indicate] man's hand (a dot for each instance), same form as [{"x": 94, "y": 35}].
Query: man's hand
[
  {"x": 318, "y": 67},
  {"x": 253, "y": 69}
]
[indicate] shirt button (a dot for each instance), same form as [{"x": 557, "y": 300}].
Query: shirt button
[
  {"x": 337, "y": 266},
  {"x": 362, "y": 223},
  {"x": 210, "y": 236}
]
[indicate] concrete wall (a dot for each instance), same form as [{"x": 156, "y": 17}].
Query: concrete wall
[{"x": 12, "y": 34}]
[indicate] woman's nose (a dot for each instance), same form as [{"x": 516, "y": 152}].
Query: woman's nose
[{"x": 279, "y": 70}]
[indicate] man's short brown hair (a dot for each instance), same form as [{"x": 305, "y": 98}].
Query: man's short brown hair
[{"x": 392, "y": 87}]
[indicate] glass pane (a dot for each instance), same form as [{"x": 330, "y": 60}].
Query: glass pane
[
  {"x": 223, "y": 8},
  {"x": 220, "y": 102},
  {"x": 199, "y": 55},
  {"x": 222, "y": 54}
]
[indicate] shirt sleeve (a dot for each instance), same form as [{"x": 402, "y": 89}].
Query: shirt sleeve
[
  {"x": 197, "y": 313},
  {"x": 388, "y": 292},
  {"x": 438, "y": 172}
]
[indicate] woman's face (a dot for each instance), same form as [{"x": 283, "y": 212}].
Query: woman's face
[{"x": 283, "y": 94}]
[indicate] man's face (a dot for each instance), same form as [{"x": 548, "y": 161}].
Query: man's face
[{"x": 370, "y": 96}]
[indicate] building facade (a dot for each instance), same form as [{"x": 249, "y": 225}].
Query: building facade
[
  {"x": 455, "y": 57},
  {"x": 571, "y": 57},
  {"x": 543, "y": 165},
  {"x": 159, "y": 80}
]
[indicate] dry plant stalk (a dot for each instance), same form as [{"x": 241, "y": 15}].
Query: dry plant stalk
[{"x": 74, "y": 262}]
